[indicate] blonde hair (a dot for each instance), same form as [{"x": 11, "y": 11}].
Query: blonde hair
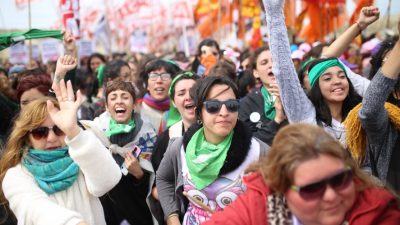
[
  {"x": 295, "y": 144},
  {"x": 30, "y": 117}
]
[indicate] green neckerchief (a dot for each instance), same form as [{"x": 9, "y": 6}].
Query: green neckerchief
[
  {"x": 173, "y": 114},
  {"x": 204, "y": 159},
  {"x": 8, "y": 39},
  {"x": 53, "y": 170},
  {"x": 118, "y": 128},
  {"x": 321, "y": 67},
  {"x": 269, "y": 104}
]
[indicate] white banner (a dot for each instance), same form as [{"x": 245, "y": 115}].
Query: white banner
[
  {"x": 50, "y": 50},
  {"x": 19, "y": 54},
  {"x": 86, "y": 48}
]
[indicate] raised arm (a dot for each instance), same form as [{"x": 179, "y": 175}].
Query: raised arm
[
  {"x": 368, "y": 15},
  {"x": 297, "y": 106}
]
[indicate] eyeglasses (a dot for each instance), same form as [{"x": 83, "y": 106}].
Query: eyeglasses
[
  {"x": 43, "y": 132},
  {"x": 316, "y": 190},
  {"x": 214, "y": 106},
  {"x": 163, "y": 76}
]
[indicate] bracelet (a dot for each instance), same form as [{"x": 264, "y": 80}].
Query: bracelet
[
  {"x": 359, "y": 27},
  {"x": 172, "y": 215}
]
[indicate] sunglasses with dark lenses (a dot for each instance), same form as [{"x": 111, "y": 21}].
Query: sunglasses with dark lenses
[
  {"x": 316, "y": 190},
  {"x": 43, "y": 132},
  {"x": 214, "y": 106}
]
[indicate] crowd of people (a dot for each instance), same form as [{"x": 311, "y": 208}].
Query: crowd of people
[{"x": 289, "y": 133}]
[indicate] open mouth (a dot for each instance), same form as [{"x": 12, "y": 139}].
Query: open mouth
[
  {"x": 120, "y": 111},
  {"x": 52, "y": 148},
  {"x": 189, "y": 106}
]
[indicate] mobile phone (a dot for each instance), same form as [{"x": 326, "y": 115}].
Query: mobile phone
[{"x": 136, "y": 151}]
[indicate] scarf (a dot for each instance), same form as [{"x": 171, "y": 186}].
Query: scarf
[
  {"x": 119, "y": 128},
  {"x": 158, "y": 105},
  {"x": 53, "y": 170},
  {"x": 355, "y": 134},
  {"x": 204, "y": 159},
  {"x": 321, "y": 67},
  {"x": 269, "y": 104}
]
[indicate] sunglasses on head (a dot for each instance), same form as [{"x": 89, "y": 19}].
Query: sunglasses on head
[
  {"x": 214, "y": 106},
  {"x": 43, "y": 132},
  {"x": 316, "y": 190}
]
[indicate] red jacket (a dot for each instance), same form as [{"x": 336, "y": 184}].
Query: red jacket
[{"x": 373, "y": 206}]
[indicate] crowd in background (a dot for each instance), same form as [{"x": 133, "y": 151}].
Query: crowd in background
[{"x": 198, "y": 122}]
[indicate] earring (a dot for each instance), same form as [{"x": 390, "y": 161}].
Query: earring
[{"x": 199, "y": 122}]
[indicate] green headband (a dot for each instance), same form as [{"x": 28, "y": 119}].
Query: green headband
[
  {"x": 321, "y": 67},
  {"x": 306, "y": 63},
  {"x": 173, "y": 115}
]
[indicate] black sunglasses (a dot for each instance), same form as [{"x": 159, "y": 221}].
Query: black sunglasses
[
  {"x": 43, "y": 132},
  {"x": 214, "y": 106},
  {"x": 316, "y": 190}
]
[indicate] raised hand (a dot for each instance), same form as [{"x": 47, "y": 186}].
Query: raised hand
[
  {"x": 368, "y": 15},
  {"x": 69, "y": 43},
  {"x": 65, "y": 117},
  {"x": 64, "y": 64}
]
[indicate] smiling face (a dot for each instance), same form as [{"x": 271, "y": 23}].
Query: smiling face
[
  {"x": 183, "y": 101},
  {"x": 158, "y": 88},
  {"x": 218, "y": 125},
  {"x": 120, "y": 105},
  {"x": 264, "y": 68},
  {"x": 331, "y": 208},
  {"x": 334, "y": 85},
  {"x": 52, "y": 141}
]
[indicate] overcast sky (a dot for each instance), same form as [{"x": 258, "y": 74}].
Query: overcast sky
[{"x": 45, "y": 13}]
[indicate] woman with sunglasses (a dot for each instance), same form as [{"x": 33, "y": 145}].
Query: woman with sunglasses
[
  {"x": 154, "y": 106},
  {"x": 206, "y": 163},
  {"x": 308, "y": 178},
  {"x": 49, "y": 170}
]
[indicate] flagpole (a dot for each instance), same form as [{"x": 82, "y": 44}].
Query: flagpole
[
  {"x": 30, "y": 27},
  {"x": 388, "y": 18},
  {"x": 219, "y": 21}
]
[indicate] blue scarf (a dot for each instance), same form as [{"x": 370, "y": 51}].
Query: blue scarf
[{"x": 54, "y": 170}]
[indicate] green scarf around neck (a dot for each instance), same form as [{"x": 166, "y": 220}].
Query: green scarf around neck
[
  {"x": 204, "y": 159},
  {"x": 269, "y": 104},
  {"x": 53, "y": 170},
  {"x": 118, "y": 128}
]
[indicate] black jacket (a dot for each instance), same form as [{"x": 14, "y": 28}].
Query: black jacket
[{"x": 264, "y": 129}]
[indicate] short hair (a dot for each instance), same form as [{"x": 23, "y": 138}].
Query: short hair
[
  {"x": 120, "y": 85},
  {"x": 256, "y": 54},
  {"x": 202, "y": 88},
  {"x": 157, "y": 64},
  {"x": 295, "y": 144},
  {"x": 42, "y": 82}
]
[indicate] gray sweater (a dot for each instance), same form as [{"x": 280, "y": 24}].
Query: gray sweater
[{"x": 381, "y": 134}]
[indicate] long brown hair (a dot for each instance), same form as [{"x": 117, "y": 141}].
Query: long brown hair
[
  {"x": 295, "y": 144},
  {"x": 30, "y": 117}
]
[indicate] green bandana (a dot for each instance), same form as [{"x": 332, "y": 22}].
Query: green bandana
[
  {"x": 8, "y": 39},
  {"x": 54, "y": 170},
  {"x": 321, "y": 67},
  {"x": 118, "y": 128},
  {"x": 173, "y": 115},
  {"x": 306, "y": 63},
  {"x": 269, "y": 104},
  {"x": 204, "y": 159}
]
